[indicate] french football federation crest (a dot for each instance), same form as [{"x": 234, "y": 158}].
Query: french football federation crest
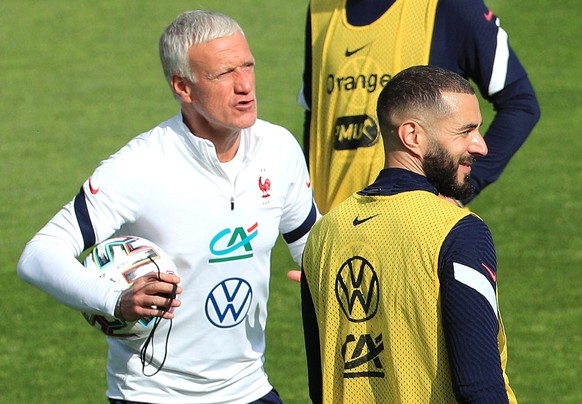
[{"x": 265, "y": 187}]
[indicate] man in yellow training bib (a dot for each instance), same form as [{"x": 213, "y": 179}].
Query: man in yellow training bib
[
  {"x": 399, "y": 291},
  {"x": 354, "y": 47}
]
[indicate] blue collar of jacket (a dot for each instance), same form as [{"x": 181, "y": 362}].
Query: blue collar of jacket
[{"x": 392, "y": 181}]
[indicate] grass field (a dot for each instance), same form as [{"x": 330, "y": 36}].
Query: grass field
[{"x": 79, "y": 79}]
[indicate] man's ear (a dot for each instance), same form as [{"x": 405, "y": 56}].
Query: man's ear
[
  {"x": 413, "y": 137},
  {"x": 182, "y": 87}
]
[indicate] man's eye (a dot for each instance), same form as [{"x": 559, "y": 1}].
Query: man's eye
[{"x": 220, "y": 75}]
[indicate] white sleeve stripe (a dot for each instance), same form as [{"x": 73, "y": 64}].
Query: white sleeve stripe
[
  {"x": 477, "y": 281},
  {"x": 301, "y": 100},
  {"x": 500, "y": 62}
]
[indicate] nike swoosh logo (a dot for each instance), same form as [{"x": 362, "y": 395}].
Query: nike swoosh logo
[
  {"x": 488, "y": 15},
  {"x": 491, "y": 273},
  {"x": 93, "y": 190},
  {"x": 358, "y": 221},
  {"x": 351, "y": 52}
]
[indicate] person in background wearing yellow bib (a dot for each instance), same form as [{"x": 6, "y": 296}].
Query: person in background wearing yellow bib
[
  {"x": 398, "y": 285},
  {"x": 354, "y": 48}
]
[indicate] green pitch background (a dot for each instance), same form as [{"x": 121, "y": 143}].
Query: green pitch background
[{"x": 78, "y": 79}]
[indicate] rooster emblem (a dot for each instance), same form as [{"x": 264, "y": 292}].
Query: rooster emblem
[{"x": 265, "y": 187}]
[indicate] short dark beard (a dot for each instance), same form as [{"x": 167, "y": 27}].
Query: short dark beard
[{"x": 441, "y": 170}]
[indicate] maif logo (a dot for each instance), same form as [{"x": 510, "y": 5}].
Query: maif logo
[
  {"x": 229, "y": 302},
  {"x": 357, "y": 289},
  {"x": 352, "y": 132},
  {"x": 231, "y": 245}
]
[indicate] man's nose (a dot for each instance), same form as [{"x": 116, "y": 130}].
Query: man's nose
[
  {"x": 478, "y": 145},
  {"x": 243, "y": 82}
]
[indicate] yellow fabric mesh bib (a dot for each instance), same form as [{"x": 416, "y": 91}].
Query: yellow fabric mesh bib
[
  {"x": 352, "y": 65},
  {"x": 377, "y": 299}
]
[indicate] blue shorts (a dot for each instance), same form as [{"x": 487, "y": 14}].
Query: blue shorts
[{"x": 271, "y": 398}]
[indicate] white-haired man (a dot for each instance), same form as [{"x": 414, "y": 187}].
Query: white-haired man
[{"x": 214, "y": 187}]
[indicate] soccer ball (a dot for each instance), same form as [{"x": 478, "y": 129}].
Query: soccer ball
[{"x": 122, "y": 260}]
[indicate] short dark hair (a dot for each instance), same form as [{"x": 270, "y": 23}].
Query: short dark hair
[{"x": 418, "y": 89}]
